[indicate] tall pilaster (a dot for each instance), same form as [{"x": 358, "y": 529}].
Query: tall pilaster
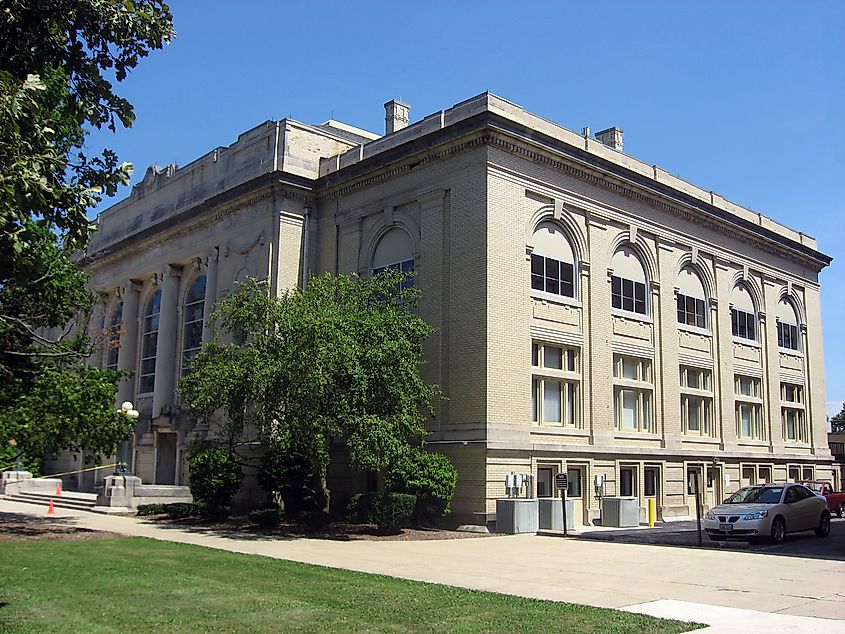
[
  {"x": 127, "y": 354},
  {"x": 210, "y": 293},
  {"x": 166, "y": 353},
  {"x": 771, "y": 366},
  {"x": 725, "y": 347},
  {"x": 97, "y": 330}
]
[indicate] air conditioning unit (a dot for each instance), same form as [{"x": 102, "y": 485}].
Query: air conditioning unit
[{"x": 620, "y": 512}]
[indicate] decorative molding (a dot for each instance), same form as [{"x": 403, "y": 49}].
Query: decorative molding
[
  {"x": 632, "y": 350},
  {"x": 556, "y": 336}
]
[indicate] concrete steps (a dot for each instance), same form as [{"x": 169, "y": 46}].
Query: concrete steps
[{"x": 67, "y": 500}]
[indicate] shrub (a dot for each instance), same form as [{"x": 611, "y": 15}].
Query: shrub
[
  {"x": 429, "y": 476},
  {"x": 392, "y": 511},
  {"x": 266, "y": 518},
  {"x": 389, "y": 511},
  {"x": 360, "y": 508},
  {"x": 215, "y": 477},
  {"x": 150, "y": 509},
  {"x": 291, "y": 476}
]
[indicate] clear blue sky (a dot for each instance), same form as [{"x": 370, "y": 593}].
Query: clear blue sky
[{"x": 744, "y": 98}]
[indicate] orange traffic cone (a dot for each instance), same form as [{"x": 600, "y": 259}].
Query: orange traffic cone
[
  {"x": 59, "y": 488},
  {"x": 51, "y": 510}
]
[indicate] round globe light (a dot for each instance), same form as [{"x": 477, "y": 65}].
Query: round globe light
[{"x": 126, "y": 406}]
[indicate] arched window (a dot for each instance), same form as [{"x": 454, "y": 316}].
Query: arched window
[
  {"x": 552, "y": 262},
  {"x": 787, "y": 322},
  {"x": 628, "y": 281},
  {"x": 113, "y": 338},
  {"x": 192, "y": 327},
  {"x": 394, "y": 252},
  {"x": 149, "y": 344},
  {"x": 113, "y": 341},
  {"x": 691, "y": 299},
  {"x": 743, "y": 315}
]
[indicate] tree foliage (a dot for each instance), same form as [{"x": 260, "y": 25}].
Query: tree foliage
[
  {"x": 58, "y": 62},
  {"x": 837, "y": 423},
  {"x": 338, "y": 361},
  {"x": 428, "y": 475}
]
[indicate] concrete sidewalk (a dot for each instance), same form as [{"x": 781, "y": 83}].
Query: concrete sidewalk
[{"x": 603, "y": 574}]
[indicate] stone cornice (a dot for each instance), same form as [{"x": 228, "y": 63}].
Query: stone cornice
[
  {"x": 492, "y": 130},
  {"x": 213, "y": 210}
]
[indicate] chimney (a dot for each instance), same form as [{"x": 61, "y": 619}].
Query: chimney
[
  {"x": 395, "y": 115},
  {"x": 612, "y": 137}
]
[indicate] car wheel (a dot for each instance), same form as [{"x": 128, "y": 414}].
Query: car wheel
[
  {"x": 840, "y": 512},
  {"x": 824, "y": 525},
  {"x": 778, "y": 530}
]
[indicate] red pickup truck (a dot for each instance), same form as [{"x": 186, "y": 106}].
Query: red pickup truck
[{"x": 835, "y": 501}]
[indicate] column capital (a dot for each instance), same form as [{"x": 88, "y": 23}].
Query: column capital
[
  {"x": 173, "y": 270},
  {"x": 433, "y": 199},
  {"x": 129, "y": 286}
]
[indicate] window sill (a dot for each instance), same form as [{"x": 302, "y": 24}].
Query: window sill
[
  {"x": 558, "y": 430},
  {"x": 706, "y": 440},
  {"x": 747, "y": 342},
  {"x": 635, "y": 435},
  {"x": 792, "y": 353},
  {"x": 695, "y": 330},
  {"x": 795, "y": 444},
  {"x": 551, "y": 298},
  {"x": 631, "y": 316},
  {"x": 752, "y": 442}
]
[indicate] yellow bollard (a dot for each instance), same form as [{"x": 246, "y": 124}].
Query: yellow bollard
[{"x": 652, "y": 511}]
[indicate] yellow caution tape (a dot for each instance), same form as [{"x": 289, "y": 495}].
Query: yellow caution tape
[{"x": 55, "y": 475}]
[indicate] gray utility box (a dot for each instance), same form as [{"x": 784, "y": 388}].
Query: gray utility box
[
  {"x": 551, "y": 517},
  {"x": 620, "y": 511},
  {"x": 516, "y": 515}
]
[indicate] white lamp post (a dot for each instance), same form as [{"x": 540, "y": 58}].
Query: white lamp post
[{"x": 127, "y": 409}]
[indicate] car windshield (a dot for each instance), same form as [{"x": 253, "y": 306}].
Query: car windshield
[{"x": 756, "y": 495}]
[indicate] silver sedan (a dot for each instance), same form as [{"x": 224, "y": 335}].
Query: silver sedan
[{"x": 770, "y": 510}]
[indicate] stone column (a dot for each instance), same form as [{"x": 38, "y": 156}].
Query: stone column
[
  {"x": 127, "y": 354},
  {"x": 210, "y": 293},
  {"x": 166, "y": 353},
  {"x": 97, "y": 330},
  {"x": 723, "y": 341}
]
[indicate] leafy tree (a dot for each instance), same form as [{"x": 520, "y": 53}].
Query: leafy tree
[
  {"x": 58, "y": 60},
  {"x": 337, "y": 361},
  {"x": 837, "y": 423}
]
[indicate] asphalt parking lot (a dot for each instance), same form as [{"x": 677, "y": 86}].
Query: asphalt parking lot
[{"x": 684, "y": 533}]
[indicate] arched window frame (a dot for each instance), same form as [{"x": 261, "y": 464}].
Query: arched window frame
[
  {"x": 692, "y": 310},
  {"x": 113, "y": 337},
  {"x": 149, "y": 343},
  {"x": 629, "y": 295},
  {"x": 789, "y": 332},
  {"x": 554, "y": 273},
  {"x": 404, "y": 265},
  {"x": 744, "y": 324},
  {"x": 193, "y": 318}
]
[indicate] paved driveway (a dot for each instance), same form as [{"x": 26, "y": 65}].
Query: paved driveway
[
  {"x": 605, "y": 574},
  {"x": 684, "y": 533}
]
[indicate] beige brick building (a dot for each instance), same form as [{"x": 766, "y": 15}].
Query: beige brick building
[{"x": 595, "y": 315}]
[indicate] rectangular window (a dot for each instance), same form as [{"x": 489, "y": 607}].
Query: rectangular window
[
  {"x": 787, "y": 336},
  {"x": 696, "y": 401},
  {"x": 691, "y": 311},
  {"x": 650, "y": 480},
  {"x": 794, "y": 474},
  {"x": 573, "y": 479},
  {"x": 743, "y": 324},
  {"x": 807, "y": 473},
  {"x": 544, "y": 482},
  {"x": 793, "y": 419},
  {"x": 552, "y": 276},
  {"x": 627, "y": 295},
  {"x": 632, "y": 393},
  {"x": 555, "y": 385},
  {"x": 627, "y": 481}
]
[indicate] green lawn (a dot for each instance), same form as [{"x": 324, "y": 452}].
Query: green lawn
[{"x": 140, "y": 585}]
